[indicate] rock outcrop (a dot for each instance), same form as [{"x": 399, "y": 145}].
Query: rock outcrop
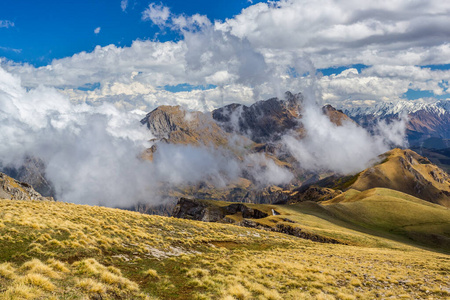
[
  {"x": 192, "y": 209},
  {"x": 311, "y": 193},
  {"x": 15, "y": 190}
]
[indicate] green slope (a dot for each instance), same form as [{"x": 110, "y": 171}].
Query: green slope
[
  {"x": 51, "y": 250},
  {"x": 394, "y": 213}
]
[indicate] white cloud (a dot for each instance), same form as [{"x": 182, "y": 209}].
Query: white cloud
[
  {"x": 158, "y": 14},
  {"x": 10, "y": 49},
  {"x": 346, "y": 30},
  {"x": 345, "y": 149},
  {"x": 124, "y": 4},
  {"x": 97, "y": 30},
  {"x": 252, "y": 52},
  {"x": 6, "y": 24}
]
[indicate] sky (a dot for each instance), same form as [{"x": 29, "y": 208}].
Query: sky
[
  {"x": 76, "y": 77},
  {"x": 204, "y": 54}
]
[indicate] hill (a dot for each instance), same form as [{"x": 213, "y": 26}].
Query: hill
[
  {"x": 394, "y": 213},
  {"x": 399, "y": 169},
  {"x": 408, "y": 172},
  {"x": 52, "y": 250}
]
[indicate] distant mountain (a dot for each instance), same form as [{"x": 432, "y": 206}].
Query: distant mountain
[
  {"x": 425, "y": 120},
  {"x": 32, "y": 172}
]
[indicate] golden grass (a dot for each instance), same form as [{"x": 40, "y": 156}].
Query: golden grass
[{"x": 114, "y": 254}]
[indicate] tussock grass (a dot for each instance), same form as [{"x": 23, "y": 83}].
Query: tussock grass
[{"x": 115, "y": 254}]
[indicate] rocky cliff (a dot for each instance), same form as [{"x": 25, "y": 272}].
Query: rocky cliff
[{"x": 15, "y": 190}]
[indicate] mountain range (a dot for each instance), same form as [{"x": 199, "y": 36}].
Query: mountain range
[
  {"x": 424, "y": 120},
  {"x": 382, "y": 232}
]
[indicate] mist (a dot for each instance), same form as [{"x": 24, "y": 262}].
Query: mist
[
  {"x": 342, "y": 149},
  {"x": 92, "y": 155}
]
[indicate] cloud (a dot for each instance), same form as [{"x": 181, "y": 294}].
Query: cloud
[
  {"x": 341, "y": 33},
  {"x": 265, "y": 171},
  {"x": 158, "y": 14},
  {"x": 97, "y": 30},
  {"x": 251, "y": 53},
  {"x": 345, "y": 149},
  {"x": 92, "y": 154},
  {"x": 124, "y": 4},
  {"x": 6, "y": 24},
  {"x": 10, "y": 49}
]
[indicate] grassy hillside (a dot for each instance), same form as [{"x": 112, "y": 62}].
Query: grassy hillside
[
  {"x": 408, "y": 172},
  {"x": 395, "y": 213},
  {"x": 51, "y": 250}
]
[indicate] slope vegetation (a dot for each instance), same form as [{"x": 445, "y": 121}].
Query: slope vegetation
[
  {"x": 394, "y": 213},
  {"x": 52, "y": 250},
  {"x": 408, "y": 172}
]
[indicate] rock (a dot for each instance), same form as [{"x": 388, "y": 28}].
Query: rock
[
  {"x": 198, "y": 210},
  {"x": 15, "y": 190},
  {"x": 246, "y": 211},
  {"x": 312, "y": 193},
  {"x": 195, "y": 210},
  {"x": 262, "y": 121}
]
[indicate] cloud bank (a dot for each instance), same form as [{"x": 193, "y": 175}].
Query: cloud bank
[
  {"x": 345, "y": 149},
  {"x": 253, "y": 55},
  {"x": 92, "y": 154}
]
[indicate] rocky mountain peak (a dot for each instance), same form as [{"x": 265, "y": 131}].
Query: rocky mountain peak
[
  {"x": 262, "y": 121},
  {"x": 176, "y": 125}
]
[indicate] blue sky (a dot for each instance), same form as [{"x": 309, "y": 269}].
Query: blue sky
[{"x": 44, "y": 30}]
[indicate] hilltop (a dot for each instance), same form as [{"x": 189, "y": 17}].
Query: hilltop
[{"x": 399, "y": 169}]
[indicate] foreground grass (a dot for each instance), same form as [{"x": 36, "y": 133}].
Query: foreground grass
[{"x": 66, "y": 251}]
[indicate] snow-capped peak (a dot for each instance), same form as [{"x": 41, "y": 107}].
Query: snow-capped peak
[{"x": 400, "y": 107}]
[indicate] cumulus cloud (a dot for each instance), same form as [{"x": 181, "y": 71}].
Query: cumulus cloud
[
  {"x": 97, "y": 30},
  {"x": 6, "y": 24},
  {"x": 248, "y": 57},
  {"x": 157, "y": 13},
  {"x": 346, "y": 31}
]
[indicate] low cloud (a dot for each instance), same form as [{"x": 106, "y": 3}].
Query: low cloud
[
  {"x": 343, "y": 149},
  {"x": 97, "y": 30},
  {"x": 92, "y": 154}
]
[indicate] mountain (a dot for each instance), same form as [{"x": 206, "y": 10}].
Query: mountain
[
  {"x": 32, "y": 172},
  {"x": 425, "y": 120},
  {"x": 175, "y": 125},
  {"x": 263, "y": 121},
  {"x": 266, "y": 121},
  {"x": 241, "y": 131},
  {"x": 401, "y": 170}
]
